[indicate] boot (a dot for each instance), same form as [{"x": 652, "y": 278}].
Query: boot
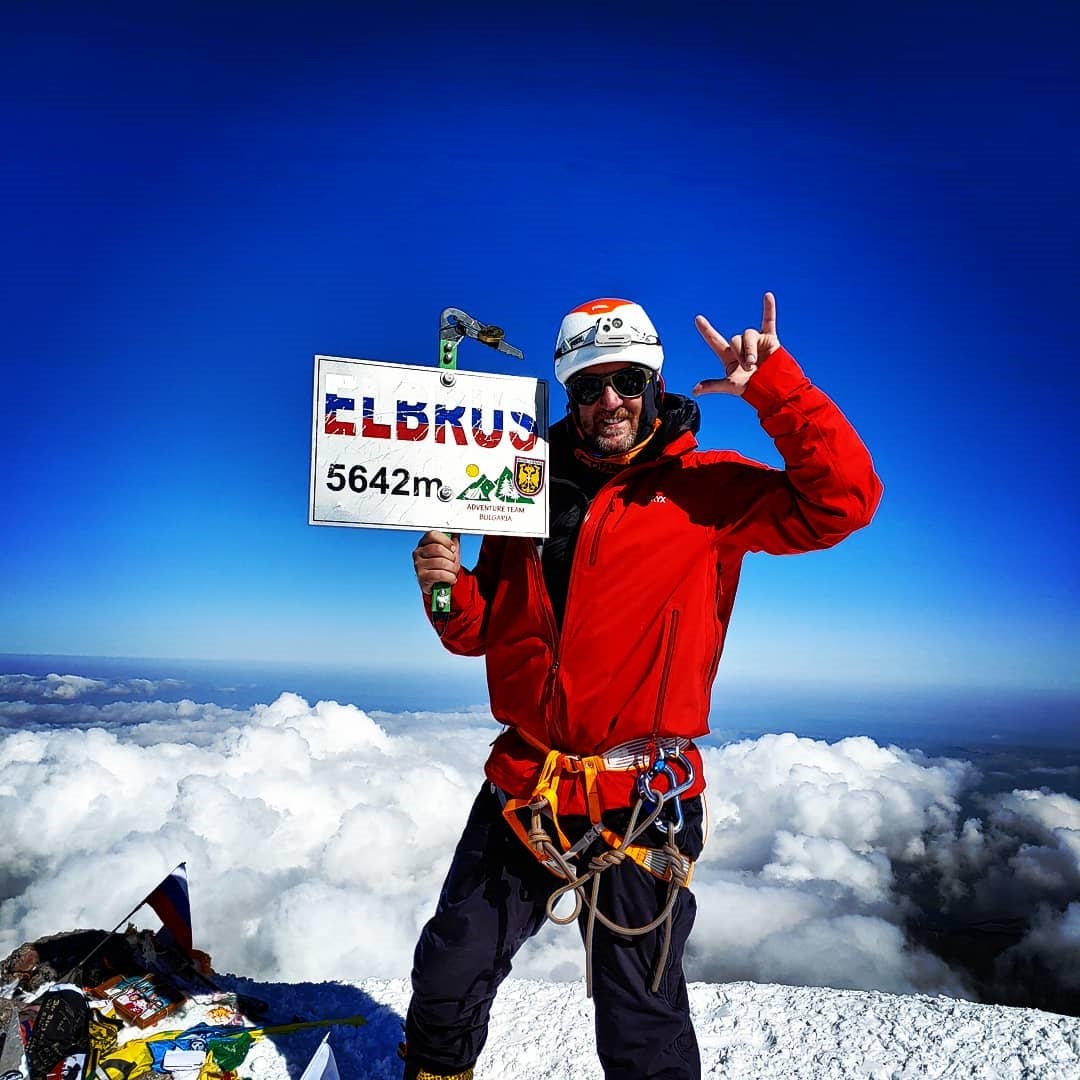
[{"x": 416, "y": 1072}]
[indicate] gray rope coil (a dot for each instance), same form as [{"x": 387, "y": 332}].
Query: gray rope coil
[{"x": 576, "y": 884}]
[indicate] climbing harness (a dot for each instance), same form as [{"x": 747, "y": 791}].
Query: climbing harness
[{"x": 651, "y": 759}]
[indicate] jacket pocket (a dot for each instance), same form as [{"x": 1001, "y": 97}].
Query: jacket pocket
[{"x": 671, "y": 638}]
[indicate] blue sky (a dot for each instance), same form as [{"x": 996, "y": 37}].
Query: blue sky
[{"x": 198, "y": 200}]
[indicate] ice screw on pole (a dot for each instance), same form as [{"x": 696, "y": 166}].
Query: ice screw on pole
[{"x": 453, "y": 326}]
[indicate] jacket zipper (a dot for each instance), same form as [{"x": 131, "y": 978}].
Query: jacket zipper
[
  {"x": 718, "y": 646},
  {"x": 615, "y": 483},
  {"x": 573, "y": 561},
  {"x": 595, "y": 546},
  {"x": 536, "y": 568},
  {"x": 669, "y": 655}
]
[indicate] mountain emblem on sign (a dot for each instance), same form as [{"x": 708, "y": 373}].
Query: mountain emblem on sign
[{"x": 501, "y": 489}]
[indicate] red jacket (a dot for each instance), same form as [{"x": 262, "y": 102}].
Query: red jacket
[{"x": 652, "y": 585}]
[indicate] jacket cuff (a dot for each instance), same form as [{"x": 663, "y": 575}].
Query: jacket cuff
[
  {"x": 777, "y": 379},
  {"x": 459, "y": 597}
]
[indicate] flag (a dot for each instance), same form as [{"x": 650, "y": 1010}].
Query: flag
[
  {"x": 170, "y": 901},
  {"x": 322, "y": 1065}
]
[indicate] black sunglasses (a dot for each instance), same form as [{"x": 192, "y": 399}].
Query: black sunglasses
[{"x": 627, "y": 382}]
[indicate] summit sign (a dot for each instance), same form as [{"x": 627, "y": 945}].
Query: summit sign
[{"x": 400, "y": 446}]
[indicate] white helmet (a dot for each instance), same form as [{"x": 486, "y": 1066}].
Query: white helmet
[{"x": 605, "y": 330}]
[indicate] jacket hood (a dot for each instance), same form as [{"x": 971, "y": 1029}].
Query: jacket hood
[{"x": 678, "y": 414}]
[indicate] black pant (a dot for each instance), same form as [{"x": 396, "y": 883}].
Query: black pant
[{"x": 493, "y": 900}]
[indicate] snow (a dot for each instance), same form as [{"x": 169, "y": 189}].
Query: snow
[{"x": 543, "y": 1031}]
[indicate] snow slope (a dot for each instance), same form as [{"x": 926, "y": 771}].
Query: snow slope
[{"x": 747, "y": 1031}]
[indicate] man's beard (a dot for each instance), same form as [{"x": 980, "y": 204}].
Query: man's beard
[{"x": 607, "y": 445}]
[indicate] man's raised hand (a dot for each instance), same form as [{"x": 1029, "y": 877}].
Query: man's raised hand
[{"x": 742, "y": 354}]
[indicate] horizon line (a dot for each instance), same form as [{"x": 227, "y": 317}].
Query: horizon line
[{"x": 733, "y": 681}]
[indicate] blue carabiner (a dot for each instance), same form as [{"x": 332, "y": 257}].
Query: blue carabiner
[{"x": 674, "y": 790}]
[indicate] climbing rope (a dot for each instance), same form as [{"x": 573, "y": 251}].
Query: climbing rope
[{"x": 666, "y": 863}]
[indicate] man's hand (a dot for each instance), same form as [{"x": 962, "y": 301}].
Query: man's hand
[
  {"x": 436, "y": 558},
  {"x": 742, "y": 354}
]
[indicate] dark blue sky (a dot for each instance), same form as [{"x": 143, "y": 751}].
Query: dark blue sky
[{"x": 197, "y": 200}]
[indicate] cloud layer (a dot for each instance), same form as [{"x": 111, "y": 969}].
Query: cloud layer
[
  {"x": 316, "y": 838},
  {"x": 55, "y": 687}
]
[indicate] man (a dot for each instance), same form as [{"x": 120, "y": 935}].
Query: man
[{"x": 601, "y": 645}]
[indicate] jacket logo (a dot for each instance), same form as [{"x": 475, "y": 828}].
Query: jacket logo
[
  {"x": 528, "y": 475},
  {"x": 658, "y": 498}
]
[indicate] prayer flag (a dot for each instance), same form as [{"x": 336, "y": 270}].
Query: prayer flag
[{"x": 322, "y": 1065}]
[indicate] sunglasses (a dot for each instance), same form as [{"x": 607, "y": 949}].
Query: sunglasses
[{"x": 627, "y": 382}]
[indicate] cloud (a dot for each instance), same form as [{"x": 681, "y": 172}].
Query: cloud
[
  {"x": 33, "y": 688},
  {"x": 48, "y": 687},
  {"x": 866, "y": 796},
  {"x": 317, "y": 836},
  {"x": 797, "y": 881},
  {"x": 276, "y": 809},
  {"x": 1053, "y": 943},
  {"x": 805, "y": 860}
]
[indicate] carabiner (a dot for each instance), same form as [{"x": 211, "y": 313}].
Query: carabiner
[{"x": 674, "y": 790}]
